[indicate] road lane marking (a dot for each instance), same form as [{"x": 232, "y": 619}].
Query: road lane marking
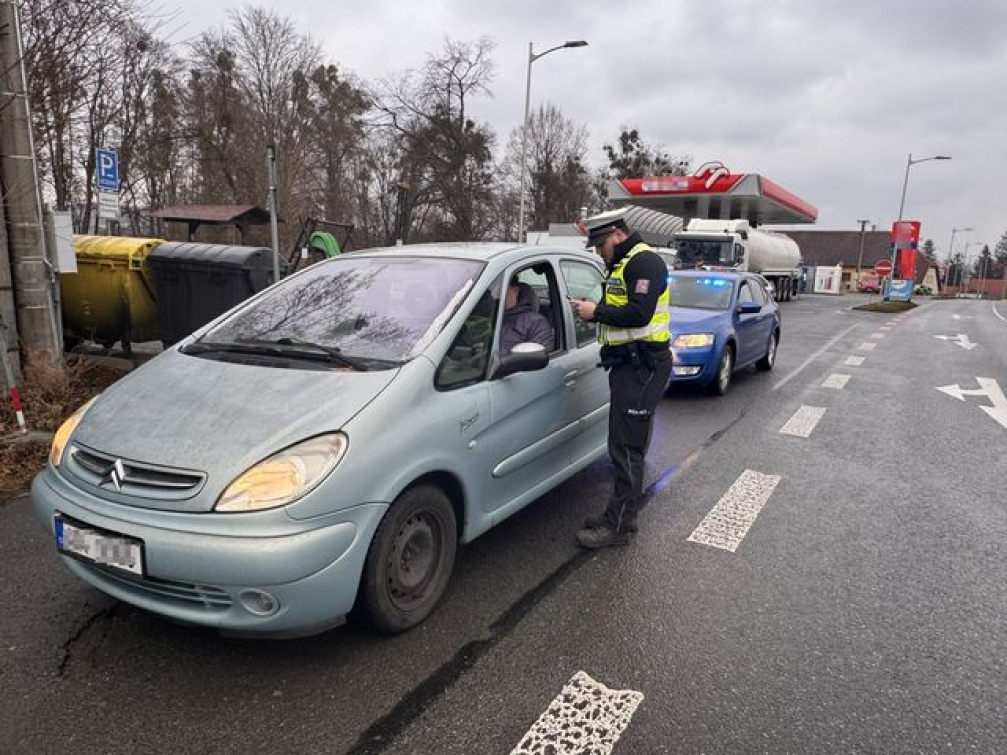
[
  {"x": 586, "y": 716},
  {"x": 729, "y": 521},
  {"x": 811, "y": 359},
  {"x": 877, "y": 336},
  {"x": 997, "y": 312},
  {"x": 867, "y": 346},
  {"x": 803, "y": 422},
  {"x": 960, "y": 339},
  {"x": 836, "y": 380},
  {"x": 989, "y": 388},
  {"x": 854, "y": 361},
  {"x": 885, "y": 327}
]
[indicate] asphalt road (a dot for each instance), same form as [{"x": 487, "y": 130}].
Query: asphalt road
[{"x": 859, "y": 612}]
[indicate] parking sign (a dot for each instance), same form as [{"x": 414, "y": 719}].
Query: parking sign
[{"x": 108, "y": 169}]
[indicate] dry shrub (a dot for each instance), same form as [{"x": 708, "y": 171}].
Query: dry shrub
[
  {"x": 19, "y": 463},
  {"x": 52, "y": 389}
]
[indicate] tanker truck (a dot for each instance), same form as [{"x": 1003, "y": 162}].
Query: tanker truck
[{"x": 735, "y": 245}]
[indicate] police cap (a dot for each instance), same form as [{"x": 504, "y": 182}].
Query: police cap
[{"x": 599, "y": 226}]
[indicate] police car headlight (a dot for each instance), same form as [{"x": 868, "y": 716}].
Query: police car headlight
[
  {"x": 286, "y": 476},
  {"x": 62, "y": 435},
  {"x": 693, "y": 341}
]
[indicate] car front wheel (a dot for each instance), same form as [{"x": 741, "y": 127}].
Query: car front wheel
[
  {"x": 410, "y": 560},
  {"x": 725, "y": 367}
]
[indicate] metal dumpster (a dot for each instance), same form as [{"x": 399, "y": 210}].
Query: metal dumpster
[
  {"x": 197, "y": 282},
  {"x": 111, "y": 296}
]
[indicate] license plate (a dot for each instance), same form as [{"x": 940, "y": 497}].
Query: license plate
[{"x": 99, "y": 546}]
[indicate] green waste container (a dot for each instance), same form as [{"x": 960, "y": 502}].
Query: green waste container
[
  {"x": 197, "y": 282},
  {"x": 111, "y": 296}
]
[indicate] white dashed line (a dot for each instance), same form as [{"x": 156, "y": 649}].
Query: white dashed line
[
  {"x": 854, "y": 361},
  {"x": 803, "y": 422},
  {"x": 885, "y": 327},
  {"x": 876, "y": 336},
  {"x": 811, "y": 359},
  {"x": 586, "y": 716},
  {"x": 729, "y": 521},
  {"x": 836, "y": 380},
  {"x": 867, "y": 346}
]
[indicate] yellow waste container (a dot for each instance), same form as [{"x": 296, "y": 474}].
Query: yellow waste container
[{"x": 111, "y": 296}]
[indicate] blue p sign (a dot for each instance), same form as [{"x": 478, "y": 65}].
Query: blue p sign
[{"x": 108, "y": 169}]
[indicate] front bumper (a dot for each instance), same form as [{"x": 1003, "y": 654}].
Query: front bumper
[
  {"x": 207, "y": 568},
  {"x": 694, "y": 366}
]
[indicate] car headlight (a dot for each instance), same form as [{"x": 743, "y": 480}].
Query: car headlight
[
  {"x": 62, "y": 435},
  {"x": 284, "y": 477},
  {"x": 693, "y": 340}
]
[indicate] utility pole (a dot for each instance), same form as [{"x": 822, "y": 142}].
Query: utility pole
[
  {"x": 860, "y": 257},
  {"x": 273, "y": 233},
  {"x": 32, "y": 275}
]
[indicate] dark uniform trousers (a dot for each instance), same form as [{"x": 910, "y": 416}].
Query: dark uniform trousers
[{"x": 636, "y": 390}]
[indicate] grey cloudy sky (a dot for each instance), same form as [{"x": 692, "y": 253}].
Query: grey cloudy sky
[{"x": 826, "y": 98}]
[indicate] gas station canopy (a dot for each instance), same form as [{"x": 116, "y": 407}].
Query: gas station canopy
[{"x": 713, "y": 192}]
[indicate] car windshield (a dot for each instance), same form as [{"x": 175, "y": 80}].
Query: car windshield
[
  {"x": 385, "y": 309},
  {"x": 700, "y": 292}
]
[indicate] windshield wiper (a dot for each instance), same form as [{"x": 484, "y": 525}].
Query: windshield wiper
[
  {"x": 282, "y": 347},
  {"x": 330, "y": 353}
]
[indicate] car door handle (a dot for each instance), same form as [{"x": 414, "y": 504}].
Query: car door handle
[{"x": 570, "y": 378}]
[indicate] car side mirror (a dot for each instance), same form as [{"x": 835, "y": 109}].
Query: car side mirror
[
  {"x": 749, "y": 308},
  {"x": 524, "y": 357}
]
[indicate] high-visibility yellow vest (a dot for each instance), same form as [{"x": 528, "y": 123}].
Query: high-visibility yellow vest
[{"x": 658, "y": 330}]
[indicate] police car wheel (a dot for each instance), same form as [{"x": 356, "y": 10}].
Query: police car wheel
[
  {"x": 410, "y": 560},
  {"x": 725, "y": 367}
]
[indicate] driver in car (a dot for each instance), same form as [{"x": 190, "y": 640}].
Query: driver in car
[{"x": 522, "y": 322}]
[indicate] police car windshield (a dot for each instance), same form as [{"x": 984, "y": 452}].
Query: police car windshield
[
  {"x": 700, "y": 292},
  {"x": 693, "y": 253},
  {"x": 380, "y": 309}
]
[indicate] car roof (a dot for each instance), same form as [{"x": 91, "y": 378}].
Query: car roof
[{"x": 483, "y": 251}]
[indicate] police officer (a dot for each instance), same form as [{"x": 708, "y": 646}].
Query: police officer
[{"x": 634, "y": 331}]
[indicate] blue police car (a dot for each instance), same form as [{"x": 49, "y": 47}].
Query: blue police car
[{"x": 721, "y": 322}]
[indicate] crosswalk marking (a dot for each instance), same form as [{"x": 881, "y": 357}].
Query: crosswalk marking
[
  {"x": 585, "y": 717},
  {"x": 729, "y": 521},
  {"x": 803, "y": 421},
  {"x": 867, "y": 346},
  {"x": 877, "y": 336},
  {"x": 854, "y": 361},
  {"x": 836, "y": 380}
]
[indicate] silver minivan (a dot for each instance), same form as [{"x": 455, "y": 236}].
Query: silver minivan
[{"x": 328, "y": 443}]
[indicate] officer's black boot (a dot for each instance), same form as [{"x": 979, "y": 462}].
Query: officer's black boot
[{"x": 603, "y": 537}]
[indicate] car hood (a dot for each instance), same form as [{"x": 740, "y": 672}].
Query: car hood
[
  {"x": 689, "y": 320},
  {"x": 220, "y": 418}
]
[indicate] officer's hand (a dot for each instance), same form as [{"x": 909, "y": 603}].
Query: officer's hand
[{"x": 584, "y": 309}]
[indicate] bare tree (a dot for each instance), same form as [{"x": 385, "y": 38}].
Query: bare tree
[
  {"x": 445, "y": 160},
  {"x": 560, "y": 184}
]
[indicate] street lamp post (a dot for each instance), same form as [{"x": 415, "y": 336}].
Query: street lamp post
[
  {"x": 532, "y": 57},
  {"x": 965, "y": 262},
  {"x": 910, "y": 162},
  {"x": 951, "y": 253},
  {"x": 860, "y": 257}
]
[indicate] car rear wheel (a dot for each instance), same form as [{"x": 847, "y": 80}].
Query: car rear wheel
[
  {"x": 767, "y": 362},
  {"x": 725, "y": 367},
  {"x": 410, "y": 560}
]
